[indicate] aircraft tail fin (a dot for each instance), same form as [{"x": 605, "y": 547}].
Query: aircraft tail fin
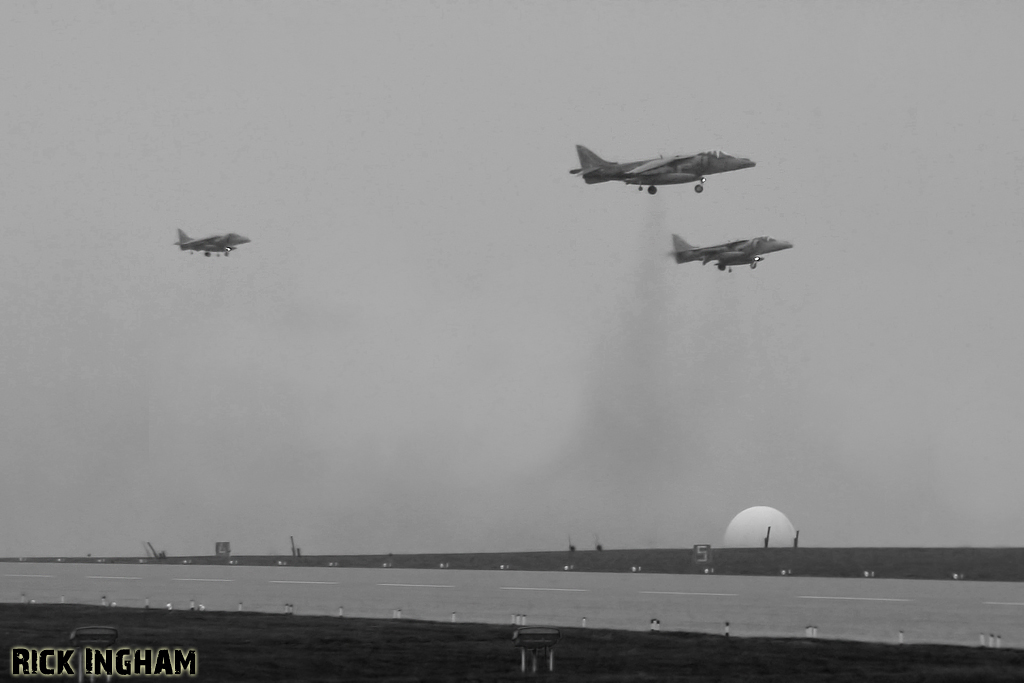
[
  {"x": 588, "y": 160},
  {"x": 182, "y": 238},
  {"x": 680, "y": 244},
  {"x": 680, "y": 247}
]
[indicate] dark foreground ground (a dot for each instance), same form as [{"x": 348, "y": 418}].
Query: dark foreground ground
[{"x": 235, "y": 646}]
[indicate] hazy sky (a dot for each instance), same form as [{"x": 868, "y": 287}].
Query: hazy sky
[{"x": 439, "y": 340}]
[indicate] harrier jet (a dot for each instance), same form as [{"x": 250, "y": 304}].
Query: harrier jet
[
  {"x": 739, "y": 253},
  {"x": 218, "y": 243},
  {"x": 675, "y": 170}
]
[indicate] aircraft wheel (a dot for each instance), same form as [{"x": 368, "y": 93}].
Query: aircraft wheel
[
  {"x": 698, "y": 188},
  {"x": 640, "y": 187},
  {"x": 652, "y": 189},
  {"x": 721, "y": 267},
  {"x": 206, "y": 253},
  {"x": 753, "y": 265},
  {"x": 730, "y": 270}
]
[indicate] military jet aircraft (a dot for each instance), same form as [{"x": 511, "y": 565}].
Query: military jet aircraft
[
  {"x": 218, "y": 243},
  {"x": 674, "y": 170},
  {"x": 738, "y": 253}
]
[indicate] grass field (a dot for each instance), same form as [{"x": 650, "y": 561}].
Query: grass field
[{"x": 240, "y": 646}]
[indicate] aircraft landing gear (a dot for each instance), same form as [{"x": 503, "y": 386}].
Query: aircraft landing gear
[
  {"x": 206, "y": 253},
  {"x": 753, "y": 265},
  {"x": 640, "y": 187},
  {"x": 730, "y": 270},
  {"x": 699, "y": 188},
  {"x": 652, "y": 190},
  {"x": 721, "y": 266}
]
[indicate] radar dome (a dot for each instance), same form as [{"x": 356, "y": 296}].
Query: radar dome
[{"x": 748, "y": 529}]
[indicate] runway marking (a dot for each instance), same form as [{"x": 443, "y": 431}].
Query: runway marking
[
  {"x": 123, "y": 578},
  {"x": 1004, "y": 603},
  {"x": 839, "y": 597},
  {"x": 730, "y": 595},
  {"x": 332, "y": 583},
  {"x": 417, "y": 585},
  {"x": 202, "y": 579},
  {"x": 32, "y": 576},
  {"x": 527, "y": 588}
]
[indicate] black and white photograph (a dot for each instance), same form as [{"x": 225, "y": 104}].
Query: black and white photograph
[{"x": 579, "y": 340}]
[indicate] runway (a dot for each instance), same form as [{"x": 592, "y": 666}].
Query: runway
[{"x": 953, "y": 612}]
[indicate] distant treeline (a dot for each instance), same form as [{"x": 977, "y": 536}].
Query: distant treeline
[{"x": 971, "y": 564}]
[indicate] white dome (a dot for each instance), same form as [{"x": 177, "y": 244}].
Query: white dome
[{"x": 748, "y": 529}]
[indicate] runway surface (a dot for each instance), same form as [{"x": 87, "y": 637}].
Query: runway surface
[{"x": 953, "y": 612}]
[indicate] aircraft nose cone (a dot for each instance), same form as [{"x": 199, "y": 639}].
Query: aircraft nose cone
[
  {"x": 749, "y": 163},
  {"x": 783, "y": 244},
  {"x": 243, "y": 240}
]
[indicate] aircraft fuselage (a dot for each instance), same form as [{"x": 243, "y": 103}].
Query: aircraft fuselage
[
  {"x": 688, "y": 170},
  {"x": 218, "y": 244},
  {"x": 739, "y": 253}
]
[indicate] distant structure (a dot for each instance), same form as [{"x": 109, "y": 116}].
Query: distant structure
[
  {"x": 223, "y": 549},
  {"x": 153, "y": 552},
  {"x": 758, "y": 527},
  {"x": 296, "y": 552}
]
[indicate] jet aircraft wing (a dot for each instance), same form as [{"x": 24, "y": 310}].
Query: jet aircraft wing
[
  {"x": 715, "y": 250},
  {"x": 727, "y": 246},
  {"x": 655, "y": 164},
  {"x": 207, "y": 242}
]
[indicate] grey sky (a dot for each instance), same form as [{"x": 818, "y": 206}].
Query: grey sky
[{"x": 440, "y": 340}]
